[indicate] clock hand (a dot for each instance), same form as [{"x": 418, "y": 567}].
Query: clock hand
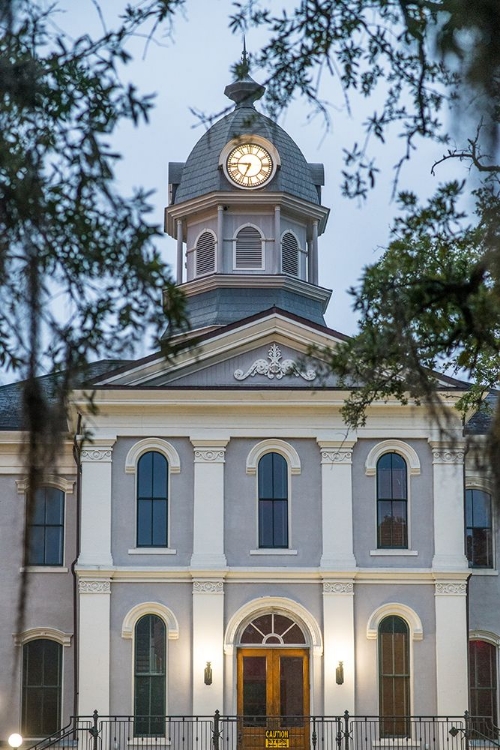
[{"x": 246, "y": 164}]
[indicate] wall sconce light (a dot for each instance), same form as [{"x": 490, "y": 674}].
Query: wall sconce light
[
  {"x": 339, "y": 673},
  {"x": 207, "y": 674}
]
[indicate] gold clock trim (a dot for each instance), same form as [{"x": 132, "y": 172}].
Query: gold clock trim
[{"x": 250, "y": 165}]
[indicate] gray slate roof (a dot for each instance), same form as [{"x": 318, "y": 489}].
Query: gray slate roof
[{"x": 201, "y": 174}]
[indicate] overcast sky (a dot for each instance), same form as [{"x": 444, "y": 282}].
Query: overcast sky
[{"x": 190, "y": 70}]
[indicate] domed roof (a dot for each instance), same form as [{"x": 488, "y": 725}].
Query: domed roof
[{"x": 201, "y": 173}]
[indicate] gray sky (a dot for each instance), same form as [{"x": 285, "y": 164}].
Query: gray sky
[{"x": 190, "y": 70}]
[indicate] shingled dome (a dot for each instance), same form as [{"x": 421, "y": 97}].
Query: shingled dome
[{"x": 201, "y": 173}]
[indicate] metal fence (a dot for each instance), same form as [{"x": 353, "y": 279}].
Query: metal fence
[{"x": 220, "y": 732}]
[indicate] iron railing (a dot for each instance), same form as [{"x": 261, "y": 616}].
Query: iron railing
[{"x": 219, "y": 732}]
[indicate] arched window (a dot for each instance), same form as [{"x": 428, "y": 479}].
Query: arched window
[
  {"x": 45, "y": 529},
  {"x": 205, "y": 253},
  {"x": 41, "y": 688},
  {"x": 290, "y": 254},
  {"x": 392, "y": 502},
  {"x": 483, "y": 686},
  {"x": 248, "y": 250},
  {"x": 273, "y": 501},
  {"x": 478, "y": 529},
  {"x": 152, "y": 500},
  {"x": 149, "y": 676},
  {"x": 272, "y": 629},
  {"x": 394, "y": 677}
]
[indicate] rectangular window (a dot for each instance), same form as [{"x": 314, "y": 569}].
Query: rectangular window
[
  {"x": 478, "y": 529},
  {"x": 41, "y": 691},
  {"x": 45, "y": 529}
]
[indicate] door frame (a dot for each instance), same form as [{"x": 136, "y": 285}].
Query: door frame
[{"x": 271, "y": 694}]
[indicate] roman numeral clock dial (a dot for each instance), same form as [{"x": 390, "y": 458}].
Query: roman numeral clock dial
[{"x": 249, "y": 165}]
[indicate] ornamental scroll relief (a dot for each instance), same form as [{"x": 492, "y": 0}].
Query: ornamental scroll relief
[
  {"x": 94, "y": 587},
  {"x": 209, "y": 455},
  {"x": 338, "y": 587},
  {"x": 447, "y": 456},
  {"x": 336, "y": 456},
  {"x": 275, "y": 368},
  {"x": 208, "y": 587},
  {"x": 96, "y": 454},
  {"x": 451, "y": 588}
]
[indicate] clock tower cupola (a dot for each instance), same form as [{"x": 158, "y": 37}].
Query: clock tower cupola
[{"x": 245, "y": 210}]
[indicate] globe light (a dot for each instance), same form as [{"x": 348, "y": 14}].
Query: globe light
[{"x": 15, "y": 740}]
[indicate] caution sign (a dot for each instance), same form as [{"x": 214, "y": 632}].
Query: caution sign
[{"x": 277, "y": 738}]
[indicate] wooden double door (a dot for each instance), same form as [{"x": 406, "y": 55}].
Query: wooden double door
[{"x": 273, "y": 698}]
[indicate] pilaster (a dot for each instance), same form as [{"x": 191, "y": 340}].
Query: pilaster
[
  {"x": 336, "y": 499},
  {"x": 338, "y": 619},
  {"x": 451, "y": 645},
  {"x": 448, "y": 466},
  {"x": 95, "y": 545},
  {"x": 94, "y": 645},
  {"x": 208, "y": 537},
  {"x": 208, "y": 644}
]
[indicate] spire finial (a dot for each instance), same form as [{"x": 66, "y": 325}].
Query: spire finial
[{"x": 245, "y": 65}]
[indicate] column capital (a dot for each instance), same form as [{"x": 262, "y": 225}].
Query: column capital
[
  {"x": 339, "y": 587},
  {"x": 210, "y": 586},
  {"x": 447, "y": 453},
  {"x": 99, "y": 450},
  {"x": 336, "y": 451},
  {"x": 457, "y": 587},
  {"x": 94, "y": 586},
  {"x": 209, "y": 451}
]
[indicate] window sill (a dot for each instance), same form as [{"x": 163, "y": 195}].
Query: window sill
[
  {"x": 393, "y": 552},
  {"x": 483, "y": 572},
  {"x": 152, "y": 551},
  {"x": 44, "y": 569},
  {"x": 271, "y": 551}
]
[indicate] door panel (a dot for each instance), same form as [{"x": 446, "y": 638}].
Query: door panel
[{"x": 273, "y": 698}]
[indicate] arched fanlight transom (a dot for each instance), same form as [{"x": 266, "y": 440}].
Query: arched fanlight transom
[{"x": 272, "y": 629}]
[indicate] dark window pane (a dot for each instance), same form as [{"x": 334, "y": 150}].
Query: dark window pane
[
  {"x": 159, "y": 475},
  {"x": 144, "y": 516},
  {"x": 280, "y": 538},
  {"x": 291, "y": 687},
  {"x": 46, "y": 528},
  {"x": 160, "y": 523},
  {"x": 273, "y": 501},
  {"x": 265, "y": 523},
  {"x": 36, "y": 545},
  {"x": 266, "y": 476},
  {"x": 280, "y": 477},
  {"x": 254, "y": 687},
  {"x": 478, "y": 529},
  {"x": 392, "y": 506},
  {"x": 152, "y": 503},
  {"x": 41, "y": 702},
  {"x": 53, "y": 545},
  {"x": 54, "y": 505},
  {"x": 149, "y": 668},
  {"x": 145, "y": 475}
]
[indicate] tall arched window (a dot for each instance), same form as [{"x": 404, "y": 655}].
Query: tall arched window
[
  {"x": 248, "y": 250},
  {"x": 290, "y": 254},
  {"x": 205, "y": 253},
  {"x": 394, "y": 677},
  {"x": 45, "y": 528},
  {"x": 478, "y": 529},
  {"x": 392, "y": 502},
  {"x": 41, "y": 688},
  {"x": 483, "y": 686},
  {"x": 152, "y": 500},
  {"x": 273, "y": 501},
  {"x": 149, "y": 676}
]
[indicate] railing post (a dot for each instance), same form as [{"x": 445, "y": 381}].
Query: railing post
[
  {"x": 346, "y": 730},
  {"x": 216, "y": 734},
  {"x": 94, "y": 731},
  {"x": 314, "y": 736},
  {"x": 467, "y": 729}
]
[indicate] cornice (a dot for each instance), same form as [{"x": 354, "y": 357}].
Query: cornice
[
  {"x": 255, "y": 281},
  {"x": 241, "y": 199}
]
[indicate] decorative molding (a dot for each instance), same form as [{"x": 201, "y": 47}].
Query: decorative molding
[
  {"x": 448, "y": 455},
  {"x": 275, "y": 368},
  {"x": 484, "y": 635},
  {"x": 209, "y": 455},
  {"x": 336, "y": 455},
  {"x": 208, "y": 587},
  {"x": 392, "y": 446},
  {"x": 150, "y": 608},
  {"x": 34, "y": 633},
  {"x": 96, "y": 454},
  {"x": 49, "y": 480},
  {"x": 275, "y": 446},
  {"x": 400, "y": 610},
  {"x": 99, "y": 586},
  {"x": 338, "y": 587},
  {"x": 452, "y": 588},
  {"x": 152, "y": 444}
]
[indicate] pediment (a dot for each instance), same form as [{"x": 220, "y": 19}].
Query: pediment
[{"x": 267, "y": 353}]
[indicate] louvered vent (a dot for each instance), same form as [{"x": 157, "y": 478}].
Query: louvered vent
[
  {"x": 289, "y": 254},
  {"x": 248, "y": 248},
  {"x": 205, "y": 254}
]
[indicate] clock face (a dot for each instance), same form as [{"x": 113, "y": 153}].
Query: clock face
[{"x": 249, "y": 165}]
